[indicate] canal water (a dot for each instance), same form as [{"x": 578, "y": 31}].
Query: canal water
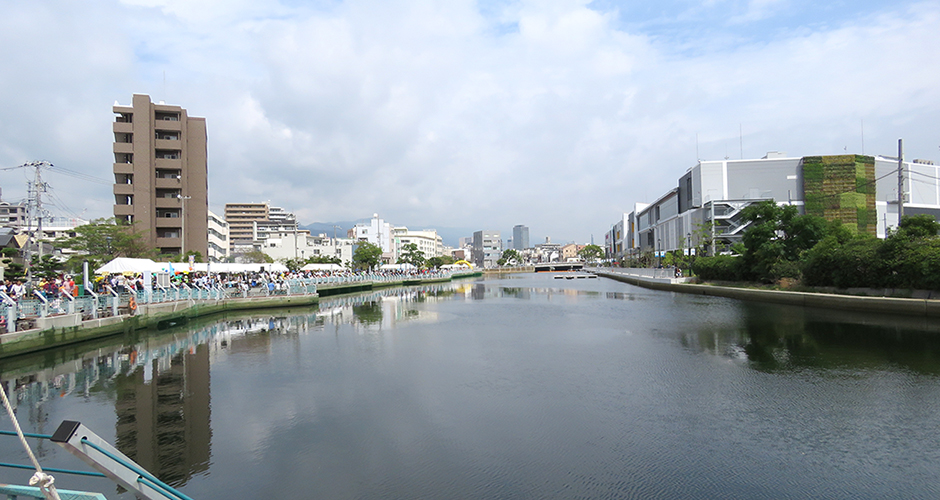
[{"x": 524, "y": 386}]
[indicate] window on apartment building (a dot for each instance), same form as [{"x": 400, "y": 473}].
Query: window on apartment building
[
  {"x": 168, "y": 154},
  {"x": 688, "y": 189},
  {"x": 168, "y": 174},
  {"x": 124, "y": 118},
  {"x": 123, "y": 137},
  {"x": 167, "y": 136},
  {"x": 166, "y": 116}
]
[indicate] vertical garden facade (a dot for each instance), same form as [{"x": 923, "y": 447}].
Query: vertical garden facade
[{"x": 841, "y": 188}]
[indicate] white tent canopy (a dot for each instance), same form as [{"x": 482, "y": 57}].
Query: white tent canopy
[
  {"x": 322, "y": 267},
  {"x": 128, "y": 265},
  {"x": 397, "y": 267}
]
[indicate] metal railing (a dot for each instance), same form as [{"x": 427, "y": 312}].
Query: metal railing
[{"x": 19, "y": 314}]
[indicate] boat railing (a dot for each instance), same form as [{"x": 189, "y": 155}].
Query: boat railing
[{"x": 107, "y": 461}]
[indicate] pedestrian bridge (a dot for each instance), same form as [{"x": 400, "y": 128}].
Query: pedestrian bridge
[{"x": 558, "y": 266}]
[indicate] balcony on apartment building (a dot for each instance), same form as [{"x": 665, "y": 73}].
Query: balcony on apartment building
[
  {"x": 122, "y": 127},
  {"x": 167, "y": 202},
  {"x": 123, "y": 189},
  {"x": 169, "y": 223},
  {"x": 168, "y": 183}
]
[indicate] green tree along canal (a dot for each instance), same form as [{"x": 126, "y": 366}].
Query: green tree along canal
[{"x": 517, "y": 387}]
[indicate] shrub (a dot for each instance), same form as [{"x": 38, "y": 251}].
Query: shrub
[{"x": 721, "y": 267}]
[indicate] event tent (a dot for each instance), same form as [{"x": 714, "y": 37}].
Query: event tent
[
  {"x": 128, "y": 265},
  {"x": 322, "y": 267},
  {"x": 136, "y": 266}
]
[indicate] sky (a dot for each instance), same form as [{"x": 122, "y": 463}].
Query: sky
[{"x": 555, "y": 114}]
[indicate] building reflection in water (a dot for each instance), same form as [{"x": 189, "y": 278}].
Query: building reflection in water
[{"x": 163, "y": 415}]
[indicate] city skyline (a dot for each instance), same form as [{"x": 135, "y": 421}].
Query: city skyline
[{"x": 466, "y": 114}]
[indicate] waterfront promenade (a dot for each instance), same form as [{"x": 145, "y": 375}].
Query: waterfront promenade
[
  {"x": 660, "y": 279},
  {"x": 40, "y": 323}
]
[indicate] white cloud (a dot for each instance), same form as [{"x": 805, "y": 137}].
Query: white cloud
[{"x": 550, "y": 114}]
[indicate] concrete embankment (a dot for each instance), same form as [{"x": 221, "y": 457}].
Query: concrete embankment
[
  {"x": 891, "y": 305},
  {"x": 68, "y": 329}
]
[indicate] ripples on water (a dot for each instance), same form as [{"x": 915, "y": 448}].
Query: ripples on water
[{"x": 522, "y": 387}]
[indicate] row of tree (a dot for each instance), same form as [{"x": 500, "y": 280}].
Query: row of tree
[{"x": 781, "y": 244}]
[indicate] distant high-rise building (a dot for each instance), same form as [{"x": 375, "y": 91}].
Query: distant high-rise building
[
  {"x": 520, "y": 237},
  {"x": 161, "y": 175}
]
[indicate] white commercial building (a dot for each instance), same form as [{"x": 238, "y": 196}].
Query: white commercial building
[
  {"x": 376, "y": 231},
  {"x": 428, "y": 241},
  {"x": 218, "y": 238},
  {"x": 284, "y": 245},
  {"x": 707, "y": 203}
]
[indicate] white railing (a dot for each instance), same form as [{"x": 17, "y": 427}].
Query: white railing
[{"x": 112, "y": 303}]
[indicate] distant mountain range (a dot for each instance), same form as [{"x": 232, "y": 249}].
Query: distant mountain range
[{"x": 450, "y": 235}]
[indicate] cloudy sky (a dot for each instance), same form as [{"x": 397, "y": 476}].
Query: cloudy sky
[{"x": 556, "y": 114}]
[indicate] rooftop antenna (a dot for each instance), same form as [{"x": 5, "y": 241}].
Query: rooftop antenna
[
  {"x": 900, "y": 181},
  {"x": 862, "y": 121}
]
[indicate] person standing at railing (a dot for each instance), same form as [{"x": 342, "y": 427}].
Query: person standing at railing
[{"x": 18, "y": 290}]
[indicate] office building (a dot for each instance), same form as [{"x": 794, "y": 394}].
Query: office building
[
  {"x": 487, "y": 248},
  {"x": 161, "y": 175},
  {"x": 520, "y": 237}
]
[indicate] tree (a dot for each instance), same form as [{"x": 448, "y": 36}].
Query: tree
[
  {"x": 366, "y": 256},
  {"x": 293, "y": 265},
  {"x": 12, "y": 270},
  {"x": 777, "y": 239},
  {"x": 105, "y": 239},
  {"x": 176, "y": 257},
  {"x": 510, "y": 257},
  {"x": 443, "y": 260},
  {"x": 917, "y": 227},
  {"x": 591, "y": 253},
  {"x": 411, "y": 255},
  {"x": 324, "y": 259},
  {"x": 48, "y": 267},
  {"x": 254, "y": 257}
]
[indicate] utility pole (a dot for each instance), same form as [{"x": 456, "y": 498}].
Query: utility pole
[
  {"x": 34, "y": 208},
  {"x": 900, "y": 181}
]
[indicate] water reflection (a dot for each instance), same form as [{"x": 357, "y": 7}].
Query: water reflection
[
  {"x": 774, "y": 338},
  {"x": 594, "y": 363}
]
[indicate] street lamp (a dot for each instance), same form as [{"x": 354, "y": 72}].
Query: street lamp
[
  {"x": 183, "y": 222},
  {"x": 659, "y": 249}
]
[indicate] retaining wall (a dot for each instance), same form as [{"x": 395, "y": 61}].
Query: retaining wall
[{"x": 891, "y": 305}]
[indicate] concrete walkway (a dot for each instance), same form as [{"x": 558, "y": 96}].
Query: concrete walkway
[{"x": 890, "y": 305}]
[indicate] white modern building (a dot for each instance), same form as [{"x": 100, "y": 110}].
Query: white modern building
[
  {"x": 218, "y": 238},
  {"x": 428, "y": 241},
  {"x": 376, "y": 231},
  {"x": 291, "y": 244},
  {"x": 707, "y": 202}
]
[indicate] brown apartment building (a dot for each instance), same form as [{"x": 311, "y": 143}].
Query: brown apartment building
[
  {"x": 161, "y": 174},
  {"x": 242, "y": 219}
]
